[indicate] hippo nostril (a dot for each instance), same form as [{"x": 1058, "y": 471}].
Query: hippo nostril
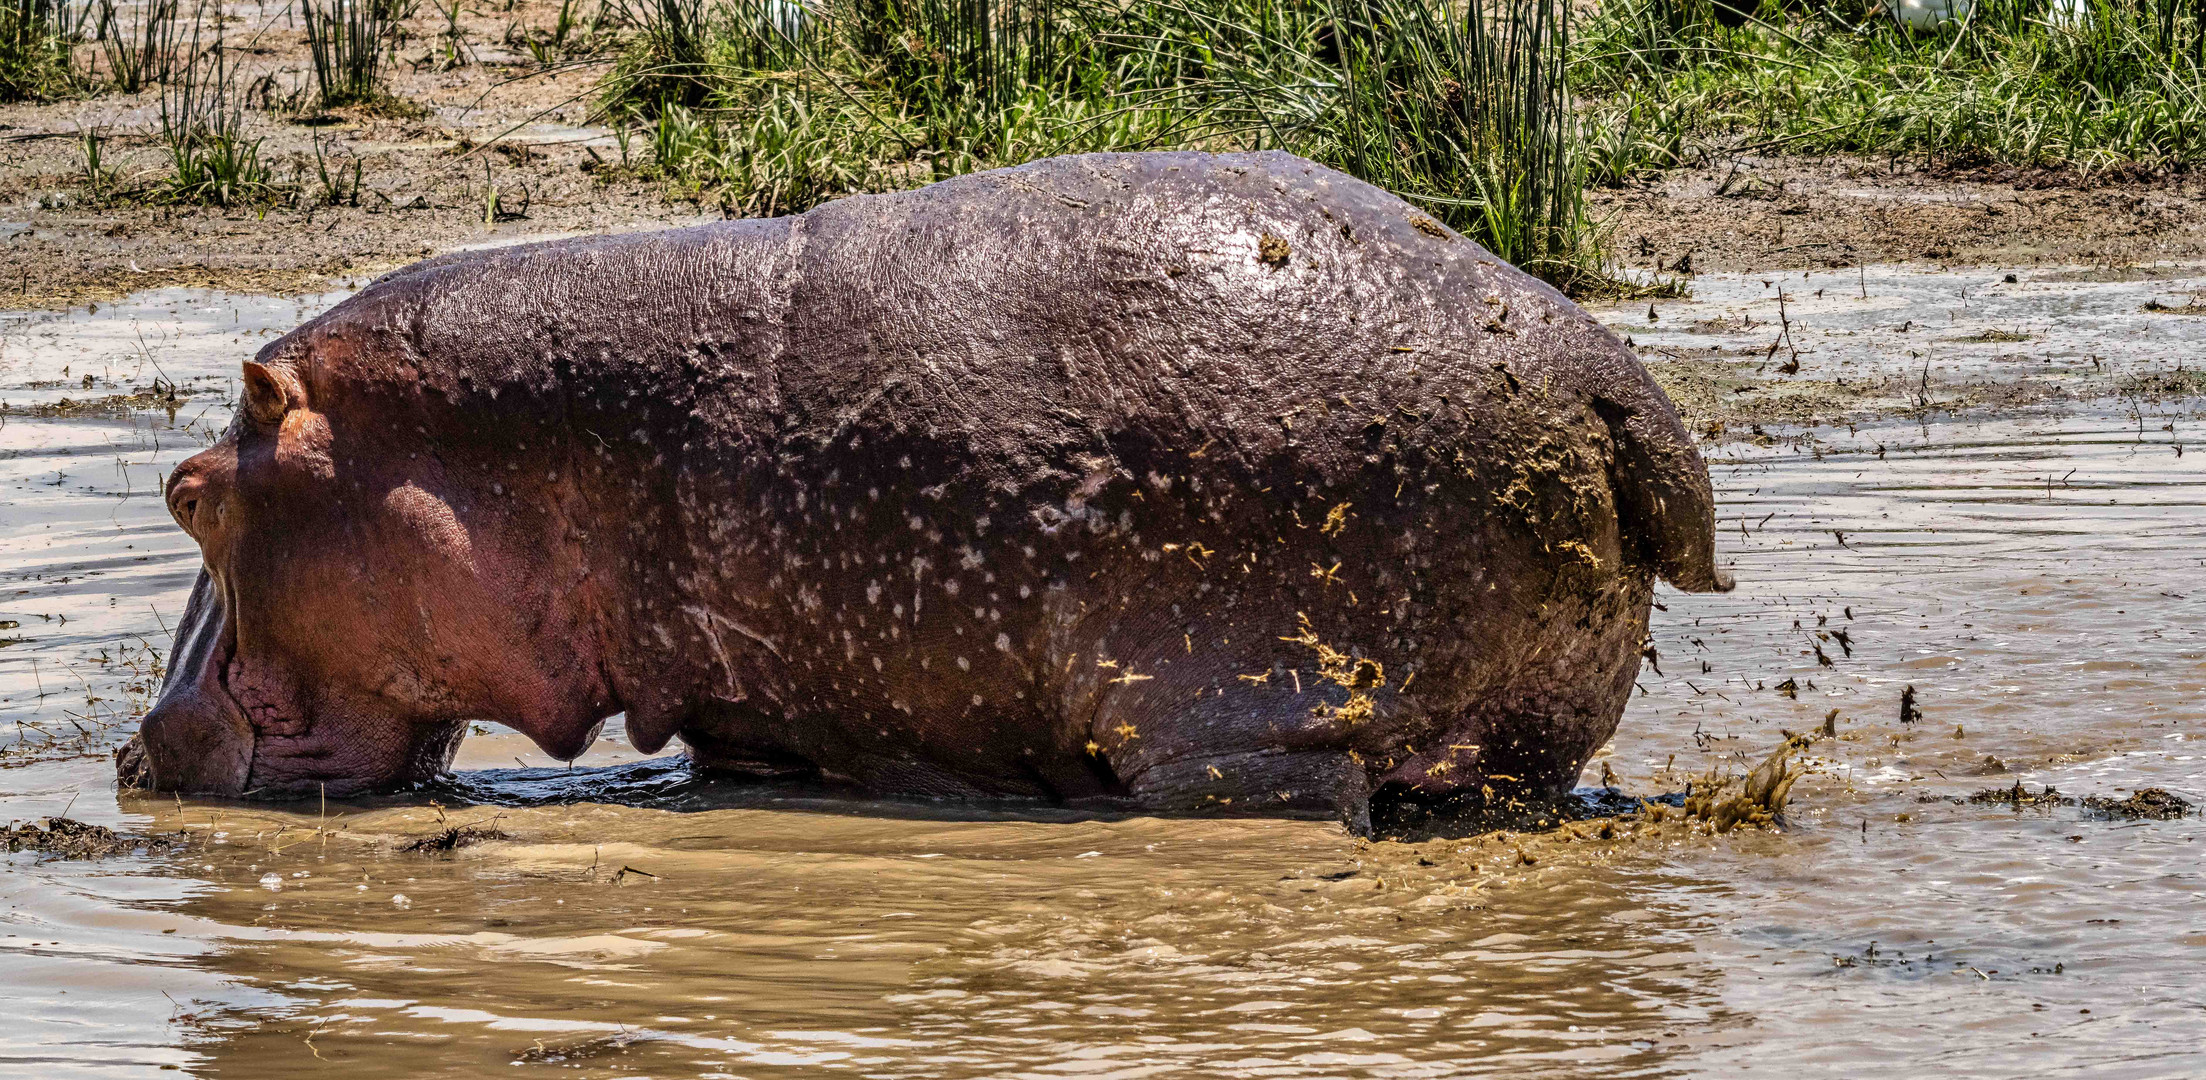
[{"x": 183, "y": 499}]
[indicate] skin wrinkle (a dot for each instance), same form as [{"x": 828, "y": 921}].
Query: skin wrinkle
[{"x": 777, "y": 442}]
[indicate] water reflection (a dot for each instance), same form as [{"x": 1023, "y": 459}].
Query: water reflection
[{"x": 764, "y": 939}]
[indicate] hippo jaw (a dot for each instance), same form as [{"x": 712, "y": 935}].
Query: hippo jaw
[{"x": 199, "y": 739}]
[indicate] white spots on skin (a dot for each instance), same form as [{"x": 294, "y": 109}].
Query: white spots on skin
[
  {"x": 963, "y": 664},
  {"x": 1003, "y": 643},
  {"x": 873, "y": 595}
]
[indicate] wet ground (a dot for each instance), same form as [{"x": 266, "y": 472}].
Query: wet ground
[{"x": 2027, "y": 562}]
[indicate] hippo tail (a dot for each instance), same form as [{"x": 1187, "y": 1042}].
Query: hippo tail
[{"x": 1663, "y": 499}]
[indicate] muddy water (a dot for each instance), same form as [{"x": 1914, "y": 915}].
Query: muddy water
[{"x": 2035, "y": 577}]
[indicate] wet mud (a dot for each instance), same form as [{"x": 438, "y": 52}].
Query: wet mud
[{"x": 2028, "y": 575}]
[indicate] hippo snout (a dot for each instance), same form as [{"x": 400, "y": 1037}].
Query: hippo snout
[
  {"x": 196, "y": 739},
  {"x": 191, "y": 746}
]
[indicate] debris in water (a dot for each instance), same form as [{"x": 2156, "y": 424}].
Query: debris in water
[
  {"x": 1908, "y": 712},
  {"x": 456, "y": 837},
  {"x": 69, "y": 838},
  {"x": 595, "y": 1046},
  {"x": 2155, "y": 307},
  {"x": 2156, "y": 803},
  {"x": 620, "y": 876},
  {"x": 2018, "y": 797}
]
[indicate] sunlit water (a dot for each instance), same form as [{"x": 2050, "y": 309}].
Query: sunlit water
[{"x": 2037, "y": 579}]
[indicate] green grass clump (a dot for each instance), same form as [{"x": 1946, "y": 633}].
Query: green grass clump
[
  {"x": 771, "y": 106},
  {"x": 140, "y": 50},
  {"x": 347, "y": 40},
  {"x": 201, "y": 123},
  {"x": 36, "y": 37},
  {"x": 2025, "y": 82}
]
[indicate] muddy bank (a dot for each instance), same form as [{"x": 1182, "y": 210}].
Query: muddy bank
[
  {"x": 357, "y": 190},
  {"x": 1773, "y": 213}
]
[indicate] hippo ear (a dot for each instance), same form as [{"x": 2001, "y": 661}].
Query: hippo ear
[{"x": 267, "y": 393}]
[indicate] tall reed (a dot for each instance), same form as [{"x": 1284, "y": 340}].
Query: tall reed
[
  {"x": 1465, "y": 110},
  {"x": 202, "y": 126},
  {"x": 347, "y": 39},
  {"x": 991, "y": 50},
  {"x": 142, "y": 52},
  {"x": 665, "y": 64},
  {"x": 35, "y": 41}
]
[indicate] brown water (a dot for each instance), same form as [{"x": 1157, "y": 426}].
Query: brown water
[{"x": 2037, "y": 578}]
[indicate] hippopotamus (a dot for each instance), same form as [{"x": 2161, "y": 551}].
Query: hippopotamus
[{"x": 1175, "y": 482}]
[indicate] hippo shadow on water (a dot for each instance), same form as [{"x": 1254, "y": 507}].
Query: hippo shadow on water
[{"x": 675, "y": 784}]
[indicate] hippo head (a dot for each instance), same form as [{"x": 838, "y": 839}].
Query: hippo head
[{"x": 365, "y": 591}]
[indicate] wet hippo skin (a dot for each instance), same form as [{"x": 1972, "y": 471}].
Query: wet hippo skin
[{"x": 1175, "y": 481}]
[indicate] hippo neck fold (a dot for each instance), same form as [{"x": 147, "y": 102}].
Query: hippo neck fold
[{"x": 640, "y": 377}]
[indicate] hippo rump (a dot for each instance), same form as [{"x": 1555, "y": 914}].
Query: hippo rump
[{"x": 1169, "y": 481}]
